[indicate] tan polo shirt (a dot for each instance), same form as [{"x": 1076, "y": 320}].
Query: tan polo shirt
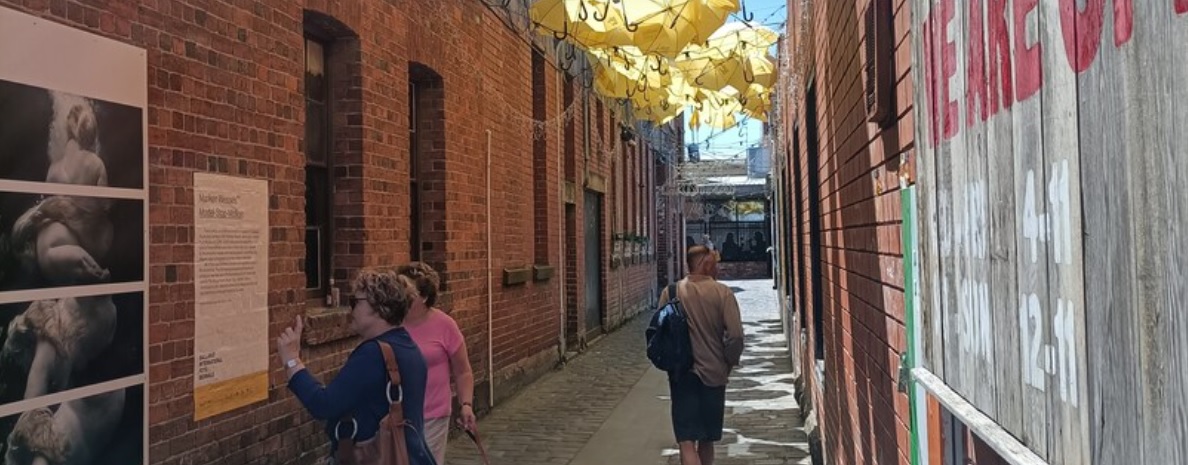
[{"x": 715, "y": 327}]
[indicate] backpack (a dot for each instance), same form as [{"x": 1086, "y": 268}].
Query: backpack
[{"x": 669, "y": 346}]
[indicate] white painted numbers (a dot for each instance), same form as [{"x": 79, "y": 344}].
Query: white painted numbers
[
  {"x": 1041, "y": 360},
  {"x": 1058, "y": 197},
  {"x": 1036, "y": 226}
]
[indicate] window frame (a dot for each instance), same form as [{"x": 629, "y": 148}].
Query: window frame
[{"x": 326, "y": 225}]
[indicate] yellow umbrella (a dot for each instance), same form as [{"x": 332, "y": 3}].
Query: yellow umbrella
[
  {"x": 716, "y": 109},
  {"x": 587, "y": 23},
  {"x": 753, "y": 69},
  {"x": 677, "y": 93},
  {"x": 556, "y": 16},
  {"x": 756, "y": 102},
  {"x": 711, "y": 15},
  {"x": 744, "y": 38},
  {"x": 663, "y": 27},
  {"x": 708, "y": 68},
  {"x": 659, "y": 114},
  {"x": 603, "y": 27},
  {"x": 621, "y": 74}
]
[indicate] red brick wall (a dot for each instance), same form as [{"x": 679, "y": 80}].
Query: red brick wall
[
  {"x": 226, "y": 95},
  {"x": 864, "y": 418}
]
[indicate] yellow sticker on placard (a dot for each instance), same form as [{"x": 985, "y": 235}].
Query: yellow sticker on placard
[{"x": 225, "y": 396}]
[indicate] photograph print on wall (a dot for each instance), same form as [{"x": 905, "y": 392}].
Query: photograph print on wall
[
  {"x": 62, "y": 138},
  {"x": 100, "y": 429},
  {"x": 55, "y": 345},
  {"x": 57, "y": 240}
]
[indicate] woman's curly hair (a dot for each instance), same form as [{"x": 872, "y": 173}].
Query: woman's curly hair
[
  {"x": 388, "y": 293},
  {"x": 426, "y": 279}
]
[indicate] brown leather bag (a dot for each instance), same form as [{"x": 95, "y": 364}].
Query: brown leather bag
[{"x": 388, "y": 447}]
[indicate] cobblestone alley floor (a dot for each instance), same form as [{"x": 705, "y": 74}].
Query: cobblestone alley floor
[{"x": 609, "y": 406}]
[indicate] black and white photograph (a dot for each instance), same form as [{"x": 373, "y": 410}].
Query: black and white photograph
[
  {"x": 55, "y": 240},
  {"x": 57, "y": 345},
  {"x": 105, "y": 428},
  {"x": 58, "y": 137}
]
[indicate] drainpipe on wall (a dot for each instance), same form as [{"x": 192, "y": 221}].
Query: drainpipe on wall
[
  {"x": 559, "y": 273},
  {"x": 490, "y": 290}
]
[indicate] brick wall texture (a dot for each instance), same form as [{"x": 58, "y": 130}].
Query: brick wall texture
[
  {"x": 226, "y": 95},
  {"x": 851, "y": 186}
]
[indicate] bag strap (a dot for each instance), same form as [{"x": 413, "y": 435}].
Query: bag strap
[
  {"x": 478, "y": 442},
  {"x": 671, "y": 292},
  {"x": 395, "y": 406}
]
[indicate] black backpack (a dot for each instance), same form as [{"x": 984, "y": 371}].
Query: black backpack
[{"x": 669, "y": 346}]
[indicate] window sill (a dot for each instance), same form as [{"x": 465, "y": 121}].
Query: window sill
[{"x": 325, "y": 325}]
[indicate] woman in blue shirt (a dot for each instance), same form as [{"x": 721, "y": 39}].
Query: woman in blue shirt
[{"x": 379, "y": 303}]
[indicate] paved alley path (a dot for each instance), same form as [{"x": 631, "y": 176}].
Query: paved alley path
[{"x": 609, "y": 406}]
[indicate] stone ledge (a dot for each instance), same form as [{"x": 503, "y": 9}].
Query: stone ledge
[{"x": 325, "y": 325}]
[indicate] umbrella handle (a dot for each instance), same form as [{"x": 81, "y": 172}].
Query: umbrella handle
[
  {"x": 750, "y": 79},
  {"x": 659, "y": 68},
  {"x": 583, "y": 14},
  {"x": 564, "y": 32},
  {"x": 664, "y": 105},
  {"x": 567, "y": 63},
  {"x": 605, "y": 12},
  {"x": 747, "y": 17}
]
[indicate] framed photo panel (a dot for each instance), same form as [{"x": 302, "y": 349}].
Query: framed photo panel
[{"x": 73, "y": 245}]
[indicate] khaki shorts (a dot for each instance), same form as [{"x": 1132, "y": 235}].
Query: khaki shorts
[{"x": 437, "y": 434}]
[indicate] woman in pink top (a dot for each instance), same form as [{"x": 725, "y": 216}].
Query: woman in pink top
[{"x": 444, "y": 349}]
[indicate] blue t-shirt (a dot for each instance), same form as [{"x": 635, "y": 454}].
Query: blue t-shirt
[{"x": 358, "y": 390}]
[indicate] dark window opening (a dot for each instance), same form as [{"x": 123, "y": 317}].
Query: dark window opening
[
  {"x": 814, "y": 204},
  {"x": 318, "y": 169}
]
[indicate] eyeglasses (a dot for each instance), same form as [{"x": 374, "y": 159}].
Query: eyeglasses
[{"x": 353, "y": 301}]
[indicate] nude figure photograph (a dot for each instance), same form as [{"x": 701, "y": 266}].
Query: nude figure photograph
[
  {"x": 56, "y": 240},
  {"x": 55, "y": 345},
  {"x": 104, "y": 428},
  {"x": 62, "y": 138}
]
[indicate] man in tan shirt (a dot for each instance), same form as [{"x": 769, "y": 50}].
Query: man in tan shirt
[{"x": 716, "y": 334}]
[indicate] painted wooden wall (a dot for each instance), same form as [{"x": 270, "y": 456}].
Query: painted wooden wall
[{"x": 1053, "y": 221}]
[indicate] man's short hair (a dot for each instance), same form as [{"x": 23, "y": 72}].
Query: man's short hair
[{"x": 695, "y": 255}]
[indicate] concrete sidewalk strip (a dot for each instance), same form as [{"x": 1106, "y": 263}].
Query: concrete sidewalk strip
[{"x": 640, "y": 426}]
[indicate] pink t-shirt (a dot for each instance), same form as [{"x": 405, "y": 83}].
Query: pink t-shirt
[{"x": 439, "y": 338}]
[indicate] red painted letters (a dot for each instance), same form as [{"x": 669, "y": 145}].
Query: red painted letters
[
  {"x": 948, "y": 68},
  {"x": 975, "y": 93},
  {"x": 1181, "y": 6},
  {"x": 1028, "y": 57},
  {"x": 999, "y": 56},
  {"x": 930, "y": 81},
  {"x": 1123, "y": 21}
]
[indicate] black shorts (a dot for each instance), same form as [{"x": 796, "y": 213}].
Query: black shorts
[{"x": 697, "y": 409}]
